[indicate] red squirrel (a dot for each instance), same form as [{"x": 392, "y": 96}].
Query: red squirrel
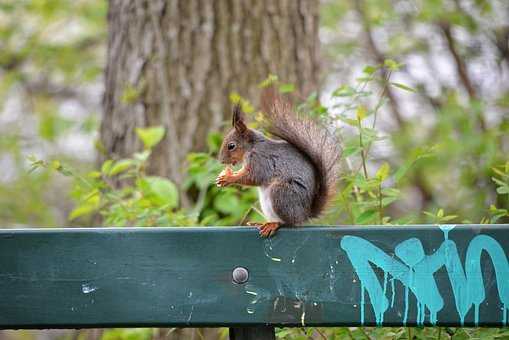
[{"x": 296, "y": 174}]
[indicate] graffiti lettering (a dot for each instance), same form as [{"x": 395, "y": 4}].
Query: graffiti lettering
[{"x": 415, "y": 271}]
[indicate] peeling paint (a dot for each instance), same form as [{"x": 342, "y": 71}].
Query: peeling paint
[
  {"x": 88, "y": 288},
  {"x": 190, "y": 314},
  {"x": 275, "y": 303},
  {"x": 299, "y": 248},
  {"x": 332, "y": 278},
  {"x": 268, "y": 249},
  {"x": 257, "y": 294}
]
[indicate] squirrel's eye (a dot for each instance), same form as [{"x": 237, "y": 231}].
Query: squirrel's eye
[{"x": 231, "y": 146}]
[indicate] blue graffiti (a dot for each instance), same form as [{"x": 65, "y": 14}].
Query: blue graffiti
[{"x": 415, "y": 271}]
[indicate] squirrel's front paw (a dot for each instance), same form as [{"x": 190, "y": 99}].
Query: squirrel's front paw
[
  {"x": 224, "y": 178},
  {"x": 222, "y": 181}
]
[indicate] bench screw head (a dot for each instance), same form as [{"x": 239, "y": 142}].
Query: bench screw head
[{"x": 240, "y": 275}]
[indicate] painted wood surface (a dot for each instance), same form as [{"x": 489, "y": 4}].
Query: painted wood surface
[{"x": 406, "y": 275}]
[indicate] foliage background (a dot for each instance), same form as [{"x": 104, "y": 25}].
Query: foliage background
[{"x": 417, "y": 90}]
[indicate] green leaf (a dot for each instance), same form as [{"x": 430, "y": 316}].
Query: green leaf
[
  {"x": 150, "y": 136},
  {"x": 392, "y": 65},
  {"x": 343, "y": 91},
  {"x": 142, "y": 156},
  {"x": 81, "y": 211},
  {"x": 160, "y": 191},
  {"x": 388, "y": 200},
  {"x": 349, "y": 121},
  {"x": 391, "y": 192},
  {"x": 56, "y": 165},
  {"x": 235, "y": 98},
  {"x": 127, "y": 334},
  {"x": 448, "y": 218},
  {"x": 430, "y": 214},
  {"x": 313, "y": 97},
  {"x": 360, "y": 114},
  {"x": 246, "y": 106},
  {"x": 383, "y": 172},
  {"x": 106, "y": 167},
  {"x": 503, "y": 190},
  {"x": 499, "y": 182},
  {"x": 500, "y": 173},
  {"x": 51, "y": 126},
  {"x": 271, "y": 79},
  {"x": 87, "y": 207},
  {"x": 403, "y": 87},
  {"x": 130, "y": 95},
  {"x": 366, "y": 217},
  {"x": 227, "y": 202},
  {"x": 350, "y": 150},
  {"x": 286, "y": 88},
  {"x": 214, "y": 140},
  {"x": 369, "y": 69},
  {"x": 94, "y": 174},
  {"x": 402, "y": 171},
  {"x": 120, "y": 166}
]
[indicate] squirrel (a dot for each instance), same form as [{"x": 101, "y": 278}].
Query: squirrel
[{"x": 296, "y": 174}]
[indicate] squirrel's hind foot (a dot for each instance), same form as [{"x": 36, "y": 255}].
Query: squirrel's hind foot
[{"x": 267, "y": 229}]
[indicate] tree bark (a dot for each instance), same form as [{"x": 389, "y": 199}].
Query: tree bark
[{"x": 175, "y": 62}]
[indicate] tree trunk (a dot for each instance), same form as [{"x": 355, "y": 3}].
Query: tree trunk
[{"x": 174, "y": 63}]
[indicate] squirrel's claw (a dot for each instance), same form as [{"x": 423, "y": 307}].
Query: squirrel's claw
[
  {"x": 266, "y": 229},
  {"x": 223, "y": 179}
]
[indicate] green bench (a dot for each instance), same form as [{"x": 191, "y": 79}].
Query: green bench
[{"x": 210, "y": 277}]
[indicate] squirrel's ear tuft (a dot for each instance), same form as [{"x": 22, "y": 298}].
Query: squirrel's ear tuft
[{"x": 238, "y": 119}]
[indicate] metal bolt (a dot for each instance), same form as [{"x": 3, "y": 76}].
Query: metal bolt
[{"x": 240, "y": 275}]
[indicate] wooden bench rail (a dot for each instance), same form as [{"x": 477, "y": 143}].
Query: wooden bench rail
[{"x": 312, "y": 276}]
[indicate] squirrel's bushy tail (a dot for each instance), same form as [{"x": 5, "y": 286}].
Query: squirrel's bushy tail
[{"x": 310, "y": 138}]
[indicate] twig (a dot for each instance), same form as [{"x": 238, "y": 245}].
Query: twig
[
  {"x": 321, "y": 334},
  {"x": 461, "y": 68},
  {"x": 379, "y": 105},
  {"x": 349, "y": 332},
  {"x": 171, "y": 330},
  {"x": 379, "y": 57},
  {"x": 364, "y": 332},
  {"x": 243, "y": 220},
  {"x": 305, "y": 334},
  {"x": 363, "y": 156},
  {"x": 258, "y": 211}
]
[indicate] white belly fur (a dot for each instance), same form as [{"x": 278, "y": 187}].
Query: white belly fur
[{"x": 266, "y": 204}]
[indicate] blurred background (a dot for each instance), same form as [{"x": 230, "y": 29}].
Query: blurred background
[{"x": 111, "y": 113}]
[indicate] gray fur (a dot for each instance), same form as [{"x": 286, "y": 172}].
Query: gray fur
[
  {"x": 287, "y": 174},
  {"x": 313, "y": 140}
]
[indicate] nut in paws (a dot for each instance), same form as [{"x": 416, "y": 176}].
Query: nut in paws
[{"x": 223, "y": 179}]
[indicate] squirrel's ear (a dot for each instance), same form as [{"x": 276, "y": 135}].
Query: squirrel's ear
[{"x": 238, "y": 119}]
